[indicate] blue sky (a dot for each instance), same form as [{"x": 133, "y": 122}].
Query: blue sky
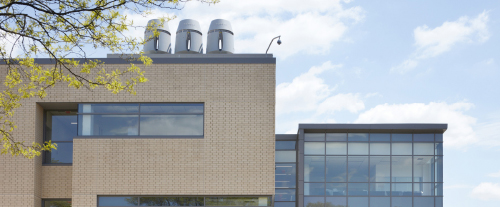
[{"x": 372, "y": 61}]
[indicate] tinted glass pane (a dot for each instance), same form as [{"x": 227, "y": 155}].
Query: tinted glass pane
[
  {"x": 314, "y": 169},
  {"x": 336, "y": 136},
  {"x": 438, "y": 190},
  {"x": 423, "y": 189},
  {"x": 314, "y": 137},
  {"x": 423, "y": 137},
  {"x": 314, "y": 189},
  {"x": 358, "y": 148},
  {"x": 314, "y": 148},
  {"x": 284, "y": 145},
  {"x": 423, "y": 202},
  {"x": 284, "y": 204},
  {"x": 380, "y": 149},
  {"x": 285, "y": 156},
  {"x": 336, "y": 169},
  {"x": 439, "y": 138},
  {"x": 63, "y": 154},
  {"x": 358, "y": 169},
  {"x": 171, "y": 108},
  {"x": 438, "y": 166},
  {"x": 336, "y": 189},
  {"x": 380, "y": 189},
  {"x": 284, "y": 195},
  {"x": 438, "y": 201},
  {"x": 401, "y": 149},
  {"x": 171, "y": 201},
  {"x": 108, "y": 125},
  {"x": 358, "y": 201},
  {"x": 172, "y": 125},
  {"x": 423, "y": 169},
  {"x": 401, "y": 137},
  {"x": 336, "y": 148},
  {"x": 118, "y": 201},
  {"x": 380, "y": 137},
  {"x": 423, "y": 148},
  {"x": 357, "y": 137},
  {"x": 57, "y": 203},
  {"x": 401, "y": 202},
  {"x": 380, "y": 202},
  {"x": 108, "y": 108},
  {"x": 61, "y": 127},
  {"x": 285, "y": 175},
  {"x": 314, "y": 201},
  {"x": 380, "y": 168},
  {"x": 439, "y": 148},
  {"x": 357, "y": 189},
  {"x": 238, "y": 201},
  {"x": 401, "y": 169},
  {"x": 336, "y": 202},
  {"x": 401, "y": 189}
]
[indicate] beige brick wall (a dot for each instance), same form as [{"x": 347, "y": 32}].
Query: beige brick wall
[{"x": 235, "y": 157}]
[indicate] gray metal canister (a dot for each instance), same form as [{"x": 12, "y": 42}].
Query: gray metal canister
[
  {"x": 189, "y": 39},
  {"x": 162, "y": 43},
  {"x": 220, "y": 37}
]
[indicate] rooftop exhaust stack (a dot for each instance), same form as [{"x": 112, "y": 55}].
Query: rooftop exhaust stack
[
  {"x": 189, "y": 38},
  {"x": 162, "y": 43},
  {"x": 220, "y": 38}
]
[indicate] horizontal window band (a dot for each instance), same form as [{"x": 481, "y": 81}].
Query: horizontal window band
[
  {"x": 140, "y": 114},
  {"x": 139, "y": 137},
  {"x": 57, "y": 164}
]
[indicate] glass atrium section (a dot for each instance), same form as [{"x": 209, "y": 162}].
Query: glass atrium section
[
  {"x": 172, "y": 119},
  {"x": 108, "y": 201},
  {"x": 60, "y": 128},
  {"x": 373, "y": 170},
  {"x": 285, "y": 174}
]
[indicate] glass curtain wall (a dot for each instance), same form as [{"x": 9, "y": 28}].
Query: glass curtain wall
[
  {"x": 373, "y": 170},
  {"x": 285, "y": 174}
]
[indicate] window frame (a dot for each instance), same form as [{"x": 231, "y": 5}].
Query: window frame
[
  {"x": 45, "y": 139},
  {"x": 54, "y": 199}
]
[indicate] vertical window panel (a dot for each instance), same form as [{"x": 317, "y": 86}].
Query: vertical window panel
[
  {"x": 358, "y": 169},
  {"x": 380, "y": 149},
  {"x": 439, "y": 138},
  {"x": 336, "y": 137},
  {"x": 336, "y": 189},
  {"x": 314, "y": 201},
  {"x": 380, "y": 189},
  {"x": 357, "y": 189},
  {"x": 401, "y": 202},
  {"x": 63, "y": 154},
  {"x": 401, "y": 149},
  {"x": 284, "y": 195},
  {"x": 284, "y": 204},
  {"x": 358, "y": 148},
  {"x": 171, "y": 125},
  {"x": 423, "y": 137},
  {"x": 423, "y": 169},
  {"x": 336, "y": 202},
  {"x": 423, "y": 148},
  {"x": 314, "y": 189},
  {"x": 380, "y": 168},
  {"x": 336, "y": 148},
  {"x": 439, "y": 148},
  {"x": 401, "y": 169},
  {"x": 423, "y": 202},
  {"x": 336, "y": 169},
  {"x": 285, "y": 145},
  {"x": 438, "y": 166},
  {"x": 358, "y": 201},
  {"x": 314, "y": 169},
  {"x": 314, "y": 148},
  {"x": 380, "y": 202},
  {"x": 314, "y": 137},
  {"x": 285, "y": 175},
  {"x": 438, "y": 190},
  {"x": 401, "y": 137},
  {"x": 358, "y": 137},
  {"x": 380, "y": 137},
  {"x": 118, "y": 201},
  {"x": 423, "y": 189},
  {"x": 108, "y": 125},
  {"x": 285, "y": 156},
  {"x": 401, "y": 189},
  {"x": 61, "y": 127},
  {"x": 438, "y": 201}
]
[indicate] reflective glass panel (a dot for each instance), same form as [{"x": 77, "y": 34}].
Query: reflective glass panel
[
  {"x": 358, "y": 148},
  {"x": 423, "y": 148},
  {"x": 401, "y": 189},
  {"x": 63, "y": 154},
  {"x": 380, "y": 202},
  {"x": 401, "y": 169},
  {"x": 438, "y": 166},
  {"x": 61, "y": 127},
  {"x": 423, "y": 189},
  {"x": 357, "y": 137},
  {"x": 401, "y": 137},
  {"x": 401, "y": 202},
  {"x": 285, "y": 145},
  {"x": 106, "y": 125},
  {"x": 314, "y": 137},
  {"x": 238, "y": 201},
  {"x": 336, "y": 202},
  {"x": 423, "y": 202},
  {"x": 284, "y": 195},
  {"x": 171, "y": 201},
  {"x": 438, "y": 201},
  {"x": 171, "y": 125},
  {"x": 118, "y": 201},
  {"x": 336, "y": 137},
  {"x": 423, "y": 137},
  {"x": 358, "y": 201},
  {"x": 336, "y": 189},
  {"x": 423, "y": 169},
  {"x": 314, "y": 189},
  {"x": 336, "y": 169},
  {"x": 314, "y": 169},
  {"x": 438, "y": 190},
  {"x": 285, "y": 156},
  {"x": 285, "y": 175},
  {"x": 439, "y": 148},
  {"x": 57, "y": 203},
  {"x": 380, "y": 149},
  {"x": 357, "y": 189},
  {"x": 358, "y": 169},
  {"x": 380, "y": 168},
  {"x": 284, "y": 204},
  {"x": 108, "y": 108},
  {"x": 314, "y": 148},
  {"x": 172, "y": 108},
  {"x": 439, "y": 138},
  {"x": 380, "y": 189},
  {"x": 401, "y": 149},
  {"x": 314, "y": 201},
  {"x": 336, "y": 148},
  {"x": 380, "y": 137}
]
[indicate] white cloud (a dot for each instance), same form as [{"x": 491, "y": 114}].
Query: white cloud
[
  {"x": 487, "y": 191},
  {"x": 460, "y": 131},
  {"x": 495, "y": 175},
  {"x": 488, "y": 132},
  {"x": 433, "y": 42},
  {"x": 310, "y": 27},
  {"x": 457, "y": 186}
]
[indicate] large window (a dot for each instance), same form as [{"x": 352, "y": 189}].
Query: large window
[
  {"x": 108, "y": 201},
  {"x": 145, "y": 119},
  {"x": 56, "y": 203},
  {"x": 60, "y": 128},
  {"x": 285, "y": 174}
]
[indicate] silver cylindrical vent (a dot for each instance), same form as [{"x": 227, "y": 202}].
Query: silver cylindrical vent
[
  {"x": 161, "y": 44},
  {"x": 189, "y": 39},
  {"x": 220, "y": 37}
]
